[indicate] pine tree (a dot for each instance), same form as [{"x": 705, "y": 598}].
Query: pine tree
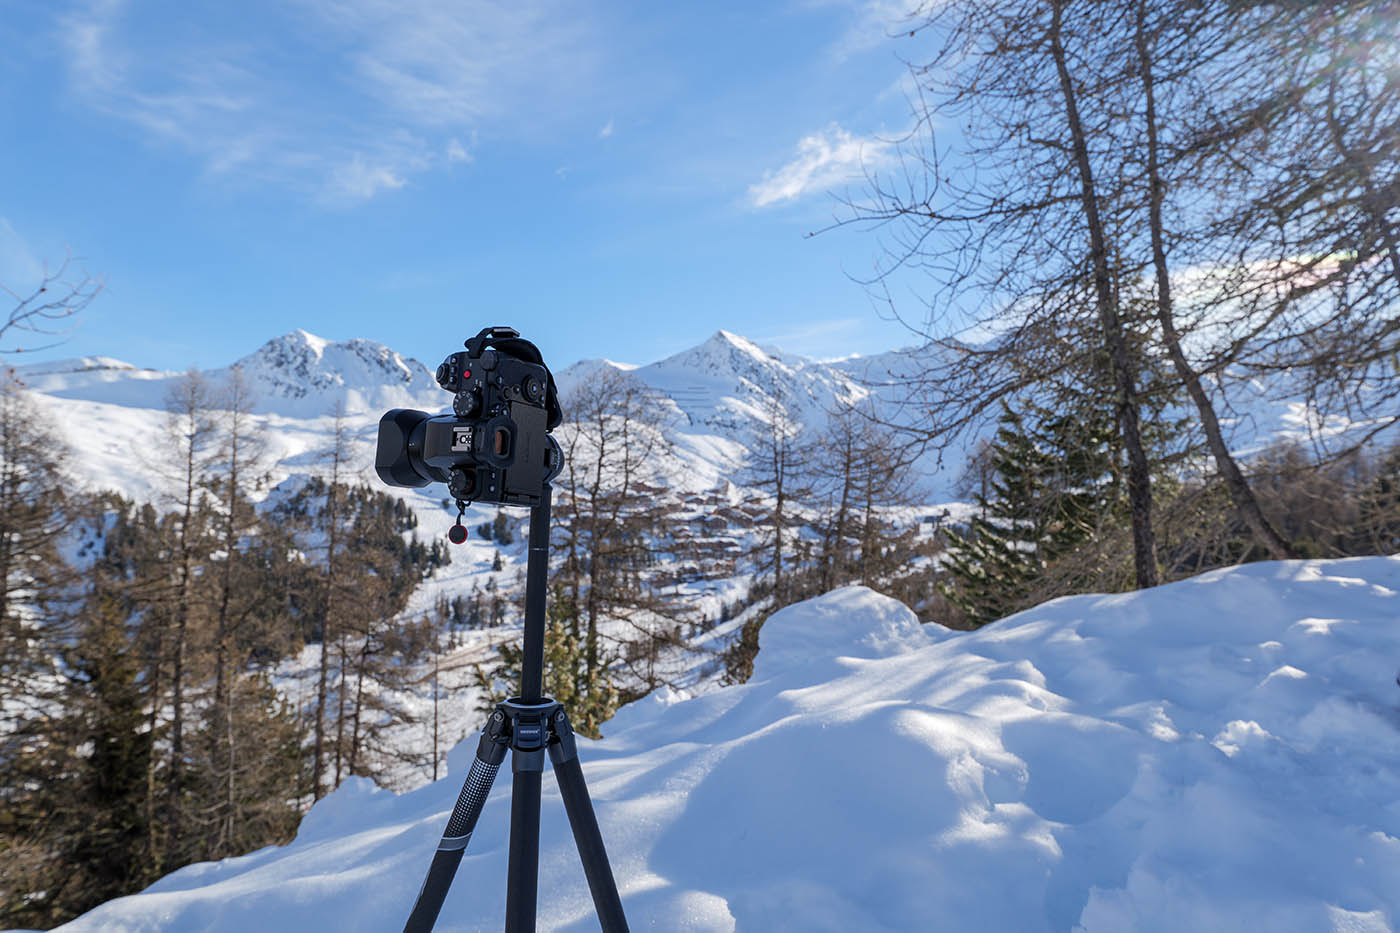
[
  {"x": 500, "y": 528},
  {"x": 32, "y": 506},
  {"x": 1379, "y": 527},
  {"x": 591, "y": 699},
  {"x": 107, "y": 805},
  {"x": 253, "y": 794},
  {"x": 994, "y": 564}
]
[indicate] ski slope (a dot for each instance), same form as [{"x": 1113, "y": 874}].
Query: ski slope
[{"x": 1221, "y": 753}]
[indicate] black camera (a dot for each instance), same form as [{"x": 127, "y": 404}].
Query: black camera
[{"x": 495, "y": 445}]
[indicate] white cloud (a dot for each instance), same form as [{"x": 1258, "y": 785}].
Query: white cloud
[
  {"x": 360, "y": 180},
  {"x": 606, "y": 131},
  {"x": 343, "y": 98},
  {"x": 824, "y": 160},
  {"x": 456, "y": 152}
]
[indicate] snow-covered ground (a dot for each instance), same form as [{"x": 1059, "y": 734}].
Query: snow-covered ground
[{"x": 1221, "y": 753}]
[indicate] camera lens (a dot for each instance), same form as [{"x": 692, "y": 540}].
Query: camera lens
[{"x": 398, "y": 456}]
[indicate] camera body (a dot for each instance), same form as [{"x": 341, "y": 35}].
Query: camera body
[{"x": 494, "y": 446}]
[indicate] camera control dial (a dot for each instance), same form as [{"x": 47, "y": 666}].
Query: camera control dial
[{"x": 466, "y": 403}]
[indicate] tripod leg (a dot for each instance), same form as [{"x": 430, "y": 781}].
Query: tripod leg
[
  {"x": 584, "y": 822},
  {"x": 522, "y": 884},
  {"x": 490, "y": 752}
]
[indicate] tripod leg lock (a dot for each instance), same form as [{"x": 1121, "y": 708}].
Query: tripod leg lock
[
  {"x": 562, "y": 746},
  {"x": 495, "y": 740}
]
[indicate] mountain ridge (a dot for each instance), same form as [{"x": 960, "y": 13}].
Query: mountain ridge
[{"x": 715, "y": 396}]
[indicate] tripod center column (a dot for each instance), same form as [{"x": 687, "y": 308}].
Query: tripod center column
[{"x": 536, "y": 585}]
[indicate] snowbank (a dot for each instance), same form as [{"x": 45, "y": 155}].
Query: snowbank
[{"x": 1217, "y": 754}]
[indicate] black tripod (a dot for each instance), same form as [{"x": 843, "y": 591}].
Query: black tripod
[{"x": 528, "y": 725}]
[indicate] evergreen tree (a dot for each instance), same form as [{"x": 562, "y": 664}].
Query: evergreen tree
[
  {"x": 32, "y": 516},
  {"x": 591, "y": 699},
  {"x": 106, "y": 807},
  {"x": 252, "y": 791},
  {"x": 993, "y": 565},
  {"x": 1379, "y": 527},
  {"x": 500, "y": 528}
]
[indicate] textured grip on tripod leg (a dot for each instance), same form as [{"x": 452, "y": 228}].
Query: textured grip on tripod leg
[
  {"x": 454, "y": 842},
  {"x": 468, "y": 807}
]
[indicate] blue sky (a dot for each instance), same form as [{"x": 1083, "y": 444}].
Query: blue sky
[{"x": 614, "y": 179}]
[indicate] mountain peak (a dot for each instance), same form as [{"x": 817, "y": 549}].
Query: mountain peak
[
  {"x": 727, "y": 341},
  {"x": 315, "y": 344},
  {"x": 313, "y": 373}
]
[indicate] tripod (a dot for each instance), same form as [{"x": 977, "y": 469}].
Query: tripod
[{"x": 529, "y": 725}]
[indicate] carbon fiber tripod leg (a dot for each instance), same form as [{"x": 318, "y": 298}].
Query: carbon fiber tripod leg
[
  {"x": 563, "y": 752},
  {"x": 490, "y": 752}
]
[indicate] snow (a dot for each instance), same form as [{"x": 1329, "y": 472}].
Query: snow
[
  {"x": 1221, "y": 753},
  {"x": 714, "y": 396}
]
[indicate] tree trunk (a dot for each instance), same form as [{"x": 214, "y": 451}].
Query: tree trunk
[
  {"x": 1139, "y": 474},
  {"x": 175, "y": 814},
  {"x": 1240, "y": 493},
  {"x": 323, "y": 676}
]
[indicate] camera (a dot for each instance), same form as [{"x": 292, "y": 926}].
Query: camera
[{"x": 495, "y": 445}]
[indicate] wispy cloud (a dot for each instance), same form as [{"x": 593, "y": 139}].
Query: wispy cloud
[
  {"x": 344, "y": 99},
  {"x": 606, "y": 131},
  {"x": 20, "y": 269},
  {"x": 823, "y": 161},
  {"x": 361, "y": 179},
  {"x": 815, "y": 337},
  {"x": 456, "y": 152},
  {"x": 875, "y": 23}
]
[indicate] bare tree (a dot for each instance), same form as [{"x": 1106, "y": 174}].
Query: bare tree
[
  {"x": 330, "y": 525},
  {"x": 38, "y": 318},
  {"x": 779, "y": 469},
  {"x": 860, "y": 469},
  {"x": 614, "y": 520},
  {"x": 1305, "y": 144},
  {"x": 238, "y": 462},
  {"x": 1161, "y": 33},
  {"x": 191, "y": 433},
  {"x": 1238, "y": 166},
  {"x": 1023, "y": 245}
]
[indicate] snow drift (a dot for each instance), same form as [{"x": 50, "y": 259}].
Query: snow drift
[{"x": 1217, "y": 754}]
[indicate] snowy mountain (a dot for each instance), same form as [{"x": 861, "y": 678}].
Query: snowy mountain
[
  {"x": 1221, "y": 753},
  {"x": 713, "y": 397},
  {"x": 298, "y": 375}
]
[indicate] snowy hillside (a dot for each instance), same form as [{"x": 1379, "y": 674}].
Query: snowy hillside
[
  {"x": 1221, "y": 753},
  {"x": 713, "y": 396}
]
